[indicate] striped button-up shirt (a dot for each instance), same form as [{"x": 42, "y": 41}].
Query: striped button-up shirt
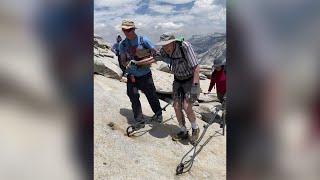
[{"x": 182, "y": 68}]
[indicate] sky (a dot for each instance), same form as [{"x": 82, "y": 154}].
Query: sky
[{"x": 154, "y": 17}]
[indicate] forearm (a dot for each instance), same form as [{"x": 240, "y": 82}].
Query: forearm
[
  {"x": 196, "y": 74},
  {"x": 147, "y": 61},
  {"x": 212, "y": 83},
  {"x": 211, "y": 86},
  {"x": 123, "y": 61}
]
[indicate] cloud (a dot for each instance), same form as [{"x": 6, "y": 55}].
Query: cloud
[
  {"x": 176, "y": 1},
  {"x": 161, "y": 8},
  {"x": 153, "y": 18},
  {"x": 168, "y": 25},
  {"x": 115, "y": 3},
  {"x": 204, "y": 7}
]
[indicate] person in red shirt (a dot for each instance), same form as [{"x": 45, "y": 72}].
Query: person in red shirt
[{"x": 219, "y": 78}]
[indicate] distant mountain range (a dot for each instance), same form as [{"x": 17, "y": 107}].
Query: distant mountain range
[{"x": 209, "y": 47}]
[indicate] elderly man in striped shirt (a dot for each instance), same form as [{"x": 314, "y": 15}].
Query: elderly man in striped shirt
[{"x": 184, "y": 65}]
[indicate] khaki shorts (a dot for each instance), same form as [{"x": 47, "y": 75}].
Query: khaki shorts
[{"x": 186, "y": 86}]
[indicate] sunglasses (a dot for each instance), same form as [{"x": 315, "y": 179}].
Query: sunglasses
[{"x": 127, "y": 30}]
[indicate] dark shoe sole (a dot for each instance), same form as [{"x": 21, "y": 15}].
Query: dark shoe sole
[
  {"x": 179, "y": 138},
  {"x": 139, "y": 126}
]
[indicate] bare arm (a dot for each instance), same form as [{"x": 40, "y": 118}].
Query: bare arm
[
  {"x": 123, "y": 60},
  {"x": 149, "y": 60},
  {"x": 196, "y": 74}
]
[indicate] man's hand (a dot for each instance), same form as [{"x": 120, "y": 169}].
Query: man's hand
[
  {"x": 132, "y": 62},
  {"x": 194, "y": 92},
  {"x": 157, "y": 57}
]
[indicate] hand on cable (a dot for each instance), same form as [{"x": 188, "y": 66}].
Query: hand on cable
[
  {"x": 134, "y": 62},
  {"x": 157, "y": 57},
  {"x": 194, "y": 92}
]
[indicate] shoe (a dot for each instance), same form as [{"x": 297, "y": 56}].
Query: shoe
[
  {"x": 221, "y": 124},
  {"x": 195, "y": 135},
  {"x": 139, "y": 126},
  {"x": 159, "y": 119},
  {"x": 180, "y": 136},
  {"x": 139, "y": 123}
]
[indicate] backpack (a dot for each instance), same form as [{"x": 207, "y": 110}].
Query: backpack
[
  {"x": 180, "y": 41},
  {"x": 131, "y": 48}
]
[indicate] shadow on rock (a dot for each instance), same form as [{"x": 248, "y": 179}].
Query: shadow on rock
[
  {"x": 206, "y": 117},
  {"x": 128, "y": 114},
  {"x": 163, "y": 130},
  {"x": 130, "y": 118}
]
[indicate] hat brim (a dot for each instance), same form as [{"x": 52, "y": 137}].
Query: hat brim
[
  {"x": 162, "y": 43},
  {"x": 128, "y": 27}
]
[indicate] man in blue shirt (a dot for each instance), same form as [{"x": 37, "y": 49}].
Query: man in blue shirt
[{"x": 133, "y": 49}]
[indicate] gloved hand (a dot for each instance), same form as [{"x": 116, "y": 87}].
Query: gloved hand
[
  {"x": 194, "y": 92},
  {"x": 134, "y": 62},
  {"x": 157, "y": 57}
]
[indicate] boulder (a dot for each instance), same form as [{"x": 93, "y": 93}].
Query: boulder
[
  {"x": 206, "y": 72},
  {"x": 163, "y": 81},
  {"x": 206, "y": 110},
  {"x": 208, "y": 98},
  {"x": 206, "y": 67},
  {"x": 151, "y": 153},
  {"x": 202, "y": 76},
  {"x": 104, "y": 67},
  {"x": 164, "y": 67}
]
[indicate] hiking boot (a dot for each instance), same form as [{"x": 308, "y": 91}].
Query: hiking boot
[
  {"x": 195, "y": 135},
  {"x": 159, "y": 119},
  {"x": 139, "y": 126},
  {"x": 180, "y": 136}
]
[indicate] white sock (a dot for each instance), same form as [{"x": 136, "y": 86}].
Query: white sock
[
  {"x": 183, "y": 128},
  {"x": 194, "y": 125}
]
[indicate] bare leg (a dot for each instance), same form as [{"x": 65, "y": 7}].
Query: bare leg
[
  {"x": 188, "y": 109},
  {"x": 176, "y": 107}
]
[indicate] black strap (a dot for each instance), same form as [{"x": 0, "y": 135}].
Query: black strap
[
  {"x": 182, "y": 52},
  {"x": 181, "y": 49},
  {"x": 142, "y": 43}
]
